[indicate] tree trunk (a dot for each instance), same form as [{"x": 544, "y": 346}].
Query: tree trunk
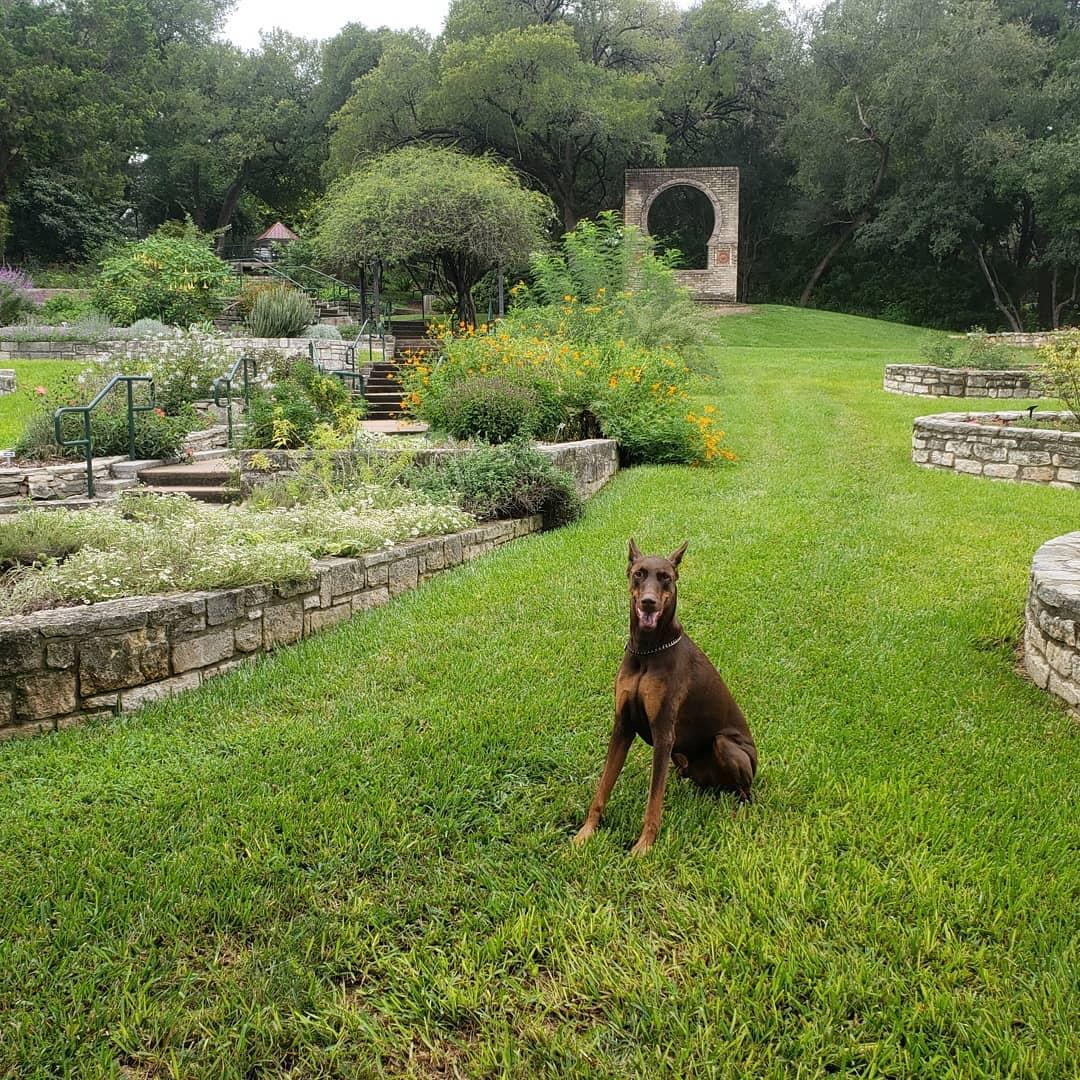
[
  {"x": 861, "y": 218},
  {"x": 228, "y": 206},
  {"x": 1002, "y": 301},
  {"x": 1046, "y": 280}
]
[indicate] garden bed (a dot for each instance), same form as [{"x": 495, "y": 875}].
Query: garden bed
[
  {"x": 930, "y": 381},
  {"x": 1052, "y": 617},
  {"x": 61, "y": 666},
  {"x": 1000, "y": 446},
  {"x": 591, "y": 462}
]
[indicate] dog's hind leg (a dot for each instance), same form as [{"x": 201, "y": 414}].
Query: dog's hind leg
[{"x": 736, "y": 764}]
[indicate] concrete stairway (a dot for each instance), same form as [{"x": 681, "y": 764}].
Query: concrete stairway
[{"x": 211, "y": 477}]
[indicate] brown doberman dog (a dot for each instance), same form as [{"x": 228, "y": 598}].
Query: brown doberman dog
[{"x": 669, "y": 693}]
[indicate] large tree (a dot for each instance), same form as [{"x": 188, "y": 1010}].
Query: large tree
[{"x": 461, "y": 216}]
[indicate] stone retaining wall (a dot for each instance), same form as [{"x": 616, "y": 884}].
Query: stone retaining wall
[
  {"x": 1052, "y": 618},
  {"x": 1023, "y": 341},
  {"x": 7, "y": 381},
  {"x": 58, "y": 667},
  {"x": 591, "y": 462},
  {"x": 327, "y": 352},
  {"x": 1004, "y": 450},
  {"x": 930, "y": 381}
]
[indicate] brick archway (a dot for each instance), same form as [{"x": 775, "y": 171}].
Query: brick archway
[{"x": 718, "y": 282}]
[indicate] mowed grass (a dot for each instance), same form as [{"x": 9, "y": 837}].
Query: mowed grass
[
  {"x": 353, "y": 858},
  {"x": 15, "y": 409}
]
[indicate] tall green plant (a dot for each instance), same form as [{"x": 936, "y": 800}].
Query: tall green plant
[{"x": 281, "y": 312}]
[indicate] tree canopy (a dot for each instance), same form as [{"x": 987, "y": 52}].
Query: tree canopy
[{"x": 898, "y": 157}]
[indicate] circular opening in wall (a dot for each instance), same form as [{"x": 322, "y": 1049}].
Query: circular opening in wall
[{"x": 682, "y": 218}]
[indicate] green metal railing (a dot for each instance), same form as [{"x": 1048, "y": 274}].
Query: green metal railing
[
  {"x": 87, "y": 441},
  {"x": 223, "y": 383}
]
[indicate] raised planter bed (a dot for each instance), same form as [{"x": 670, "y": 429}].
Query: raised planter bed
[
  {"x": 59, "y": 667},
  {"x": 929, "y": 381},
  {"x": 591, "y": 462},
  {"x": 999, "y": 446},
  {"x": 1052, "y": 619}
]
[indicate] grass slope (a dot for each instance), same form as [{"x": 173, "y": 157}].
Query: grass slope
[
  {"x": 353, "y": 858},
  {"x": 15, "y": 409}
]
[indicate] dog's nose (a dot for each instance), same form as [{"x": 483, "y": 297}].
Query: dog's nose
[{"x": 648, "y": 603}]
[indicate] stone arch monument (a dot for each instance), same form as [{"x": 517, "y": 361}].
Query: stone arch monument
[{"x": 718, "y": 282}]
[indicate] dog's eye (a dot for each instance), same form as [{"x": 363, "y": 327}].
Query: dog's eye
[{"x": 665, "y": 579}]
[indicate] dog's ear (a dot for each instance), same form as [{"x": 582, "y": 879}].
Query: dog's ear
[
  {"x": 676, "y": 557},
  {"x": 634, "y": 553}
]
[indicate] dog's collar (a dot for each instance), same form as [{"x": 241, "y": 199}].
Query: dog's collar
[{"x": 649, "y": 652}]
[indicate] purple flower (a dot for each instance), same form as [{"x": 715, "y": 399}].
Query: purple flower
[{"x": 15, "y": 278}]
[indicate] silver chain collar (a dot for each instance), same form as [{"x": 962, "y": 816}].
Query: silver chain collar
[{"x": 649, "y": 652}]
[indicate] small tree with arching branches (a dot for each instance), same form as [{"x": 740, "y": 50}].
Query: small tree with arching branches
[{"x": 462, "y": 216}]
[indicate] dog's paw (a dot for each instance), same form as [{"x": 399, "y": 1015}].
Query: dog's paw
[
  {"x": 582, "y": 835},
  {"x": 641, "y": 847}
]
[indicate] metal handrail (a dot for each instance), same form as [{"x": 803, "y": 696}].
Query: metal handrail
[
  {"x": 339, "y": 286},
  {"x": 225, "y": 382},
  {"x": 87, "y": 441}
]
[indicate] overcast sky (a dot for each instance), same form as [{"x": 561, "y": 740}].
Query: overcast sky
[{"x": 323, "y": 18}]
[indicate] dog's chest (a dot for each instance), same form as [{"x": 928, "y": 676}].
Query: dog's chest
[{"x": 638, "y": 698}]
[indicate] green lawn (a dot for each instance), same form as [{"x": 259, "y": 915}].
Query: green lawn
[
  {"x": 16, "y": 408},
  {"x": 353, "y": 858}
]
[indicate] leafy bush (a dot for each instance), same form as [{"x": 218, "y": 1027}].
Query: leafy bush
[
  {"x": 249, "y": 293},
  {"x": 64, "y": 309},
  {"x": 177, "y": 279},
  {"x": 280, "y": 312},
  {"x": 608, "y": 283},
  {"x": 145, "y": 328},
  {"x": 321, "y": 332},
  {"x": 508, "y": 481},
  {"x": 153, "y": 544},
  {"x": 156, "y": 435},
  {"x": 286, "y": 416},
  {"x": 975, "y": 351},
  {"x": 1059, "y": 361},
  {"x": 489, "y": 408}
]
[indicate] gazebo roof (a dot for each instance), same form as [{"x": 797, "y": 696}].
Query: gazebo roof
[{"x": 277, "y": 231}]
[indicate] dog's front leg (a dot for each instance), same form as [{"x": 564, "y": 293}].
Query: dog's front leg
[
  {"x": 663, "y": 742},
  {"x": 618, "y": 746}
]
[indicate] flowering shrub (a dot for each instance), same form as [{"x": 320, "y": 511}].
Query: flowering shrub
[
  {"x": 613, "y": 387},
  {"x": 177, "y": 279},
  {"x": 15, "y": 299},
  {"x": 182, "y": 363},
  {"x": 159, "y": 544}
]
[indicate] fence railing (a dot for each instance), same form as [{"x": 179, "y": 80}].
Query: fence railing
[
  {"x": 223, "y": 384},
  {"x": 87, "y": 440}
]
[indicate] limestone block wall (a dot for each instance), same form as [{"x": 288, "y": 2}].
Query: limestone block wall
[
  {"x": 7, "y": 381},
  {"x": 719, "y": 281},
  {"x": 930, "y": 381},
  {"x": 998, "y": 446},
  {"x": 591, "y": 462},
  {"x": 1026, "y": 341},
  {"x": 58, "y": 667},
  {"x": 328, "y": 352},
  {"x": 50, "y": 482},
  {"x": 1052, "y": 618}
]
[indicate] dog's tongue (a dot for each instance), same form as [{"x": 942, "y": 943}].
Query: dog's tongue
[{"x": 647, "y": 620}]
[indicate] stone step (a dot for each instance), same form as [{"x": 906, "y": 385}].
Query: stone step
[
  {"x": 211, "y": 473},
  {"x": 111, "y": 487},
  {"x": 213, "y": 454},
  {"x": 131, "y": 467},
  {"x": 202, "y": 492}
]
